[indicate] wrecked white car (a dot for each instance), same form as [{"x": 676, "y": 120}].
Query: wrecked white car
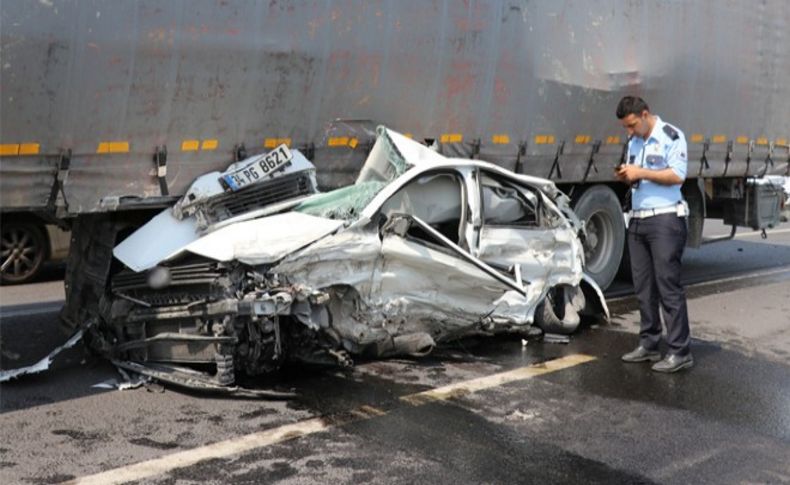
[{"x": 422, "y": 249}]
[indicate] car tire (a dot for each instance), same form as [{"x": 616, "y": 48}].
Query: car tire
[
  {"x": 23, "y": 250},
  {"x": 559, "y": 312},
  {"x": 599, "y": 208}
]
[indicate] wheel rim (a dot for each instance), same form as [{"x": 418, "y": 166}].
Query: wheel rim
[
  {"x": 21, "y": 253},
  {"x": 599, "y": 242}
]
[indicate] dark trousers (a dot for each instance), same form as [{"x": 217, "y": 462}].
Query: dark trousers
[{"x": 655, "y": 245}]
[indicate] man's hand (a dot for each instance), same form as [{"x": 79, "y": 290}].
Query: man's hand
[
  {"x": 633, "y": 173},
  {"x": 629, "y": 173}
]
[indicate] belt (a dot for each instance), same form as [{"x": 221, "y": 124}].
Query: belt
[{"x": 643, "y": 213}]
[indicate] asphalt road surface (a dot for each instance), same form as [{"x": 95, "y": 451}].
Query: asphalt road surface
[{"x": 479, "y": 411}]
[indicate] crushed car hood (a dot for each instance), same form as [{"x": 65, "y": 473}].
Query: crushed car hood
[
  {"x": 204, "y": 208},
  {"x": 257, "y": 241},
  {"x": 146, "y": 247},
  {"x": 265, "y": 240}
]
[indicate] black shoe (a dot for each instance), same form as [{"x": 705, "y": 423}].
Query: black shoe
[
  {"x": 674, "y": 363},
  {"x": 641, "y": 354}
]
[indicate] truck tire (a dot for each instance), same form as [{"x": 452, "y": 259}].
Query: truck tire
[
  {"x": 599, "y": 208},
  {"x": 23, "y": 249}
]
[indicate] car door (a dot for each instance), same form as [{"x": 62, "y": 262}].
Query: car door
[
  {"x": 428, "y": 277},
  {"x": 518, "y": 233}
]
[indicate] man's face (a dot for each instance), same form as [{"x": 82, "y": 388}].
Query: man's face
[{"x": 637, "y": 125}]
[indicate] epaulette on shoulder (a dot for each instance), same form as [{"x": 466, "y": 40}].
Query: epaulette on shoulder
[{"x": 671, "y": 132}]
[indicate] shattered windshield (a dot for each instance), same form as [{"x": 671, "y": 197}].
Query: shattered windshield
[
  {"x": 344, "y": 203},
  {"x": 384, "y": 164}
]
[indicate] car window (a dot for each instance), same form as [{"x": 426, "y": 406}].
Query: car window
[
  {"x": 437, "y": 199},
  {"x": 505, "y": 205}
]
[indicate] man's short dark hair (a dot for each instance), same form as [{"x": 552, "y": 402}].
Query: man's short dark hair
[{"x": 631, "y": 105}]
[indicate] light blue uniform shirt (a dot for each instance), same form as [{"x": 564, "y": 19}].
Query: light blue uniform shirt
[{"x": 664, "y": 148}]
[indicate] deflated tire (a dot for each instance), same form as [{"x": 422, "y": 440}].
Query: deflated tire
[{"x": 559, "y": 311}]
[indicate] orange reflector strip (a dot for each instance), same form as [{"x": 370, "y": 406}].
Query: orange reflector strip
[
  {"x": 742, "y": 140},
  {"x": 353, "y": 142},
  {"x": 275, "y": 142},
  {"x": 762, "y": 140},
  {"x": 113, "y": 147},
  {"x": 718, "y": 139},
  {"x": 210, "y": 144},
  {"x": 544, "y": 139},
  {"x": 697, "y": 138},
  {"x": 582, "y": 139},
  {"x": 338, "y": 141},
  {"x": 451, "y": 138},
  {"x": 612, "y": 140},
  {"x": 9, "y": 149},
  {"x": 502, "y": 139},
  {"x": 190, "y": 145},
  {"x": 408, "y": 135},
  {"x": 29, "y": 149}
]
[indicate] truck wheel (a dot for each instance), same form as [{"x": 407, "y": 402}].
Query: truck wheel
[
  {"x": 23, "y": 249},
  {"x": 600, "y": 210}
]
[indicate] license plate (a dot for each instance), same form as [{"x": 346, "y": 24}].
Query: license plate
[{"x": 259, "y": 169}]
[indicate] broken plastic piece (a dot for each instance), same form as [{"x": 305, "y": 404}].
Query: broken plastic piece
[
  {"x": 555, "y": 338},
  {"x": 198, "y": 381},
  {"x": 42, "y": 364}
]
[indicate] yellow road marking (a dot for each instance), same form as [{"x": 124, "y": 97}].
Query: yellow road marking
[
  {"x": 474, "y": 385},
  {"x": 182, "y": 459},
  {"x": 241, "y": 444}
]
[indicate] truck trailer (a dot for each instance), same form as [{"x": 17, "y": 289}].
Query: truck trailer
[{"x": 110, "y": 110}]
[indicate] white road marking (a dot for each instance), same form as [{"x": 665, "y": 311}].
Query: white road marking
[
  {"x": 241, "y": 444},
  {"x": 745, "y": 276},
  {"x": 756, "y": 274},
  {"x": 769, "y": 232},
  {"x": 689, "y": 462}
]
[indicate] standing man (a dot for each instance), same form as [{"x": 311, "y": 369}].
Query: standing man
[{"x": 655, "y": 170}]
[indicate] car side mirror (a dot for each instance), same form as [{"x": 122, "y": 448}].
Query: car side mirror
[{"x": 397, "y": 224}]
